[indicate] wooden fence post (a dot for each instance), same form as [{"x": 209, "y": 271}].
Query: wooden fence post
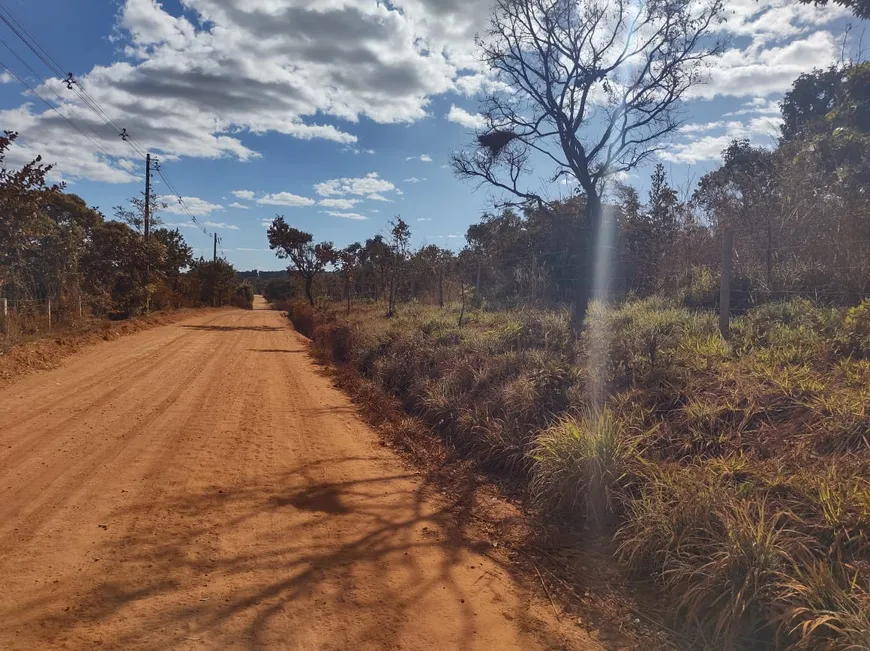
[{"x": 725, "y": 286}]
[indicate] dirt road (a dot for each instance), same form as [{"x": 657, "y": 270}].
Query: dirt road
[{"x": 203, "y": 486}]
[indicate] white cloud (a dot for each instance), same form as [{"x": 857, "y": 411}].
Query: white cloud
[
  {"x": 194, "y": 84},
  {"x": 341, "y": 204},
  {"x": 240, "y": 206},
  {"x": 284, "y": 199},
  {"x": 346, "y": 215},
  {"x": 776, "y": 19},
  {"x": 424, "y": 219},
  {"x": 757, "y": 72},
  {"x": 244, "y": 194},
  {"x": 368, "y": 185},
  {"x": 759, "y": 131},
  {"x": 242, "y": 248},
  {"x": 426, "y": 158},
  {"x": 374, "y": 210},
  {"x": 469, "y": 120},
  {"x": 179, "y": 225},
  {"x": 413, "y": 179},
  {"x": 357, "y": 151},
  {"x": 222, "y": 225},
  {"x": 756, "y": 106},
  {"x": 194, "y": 205},
  {"x": 376, "y": 196}
]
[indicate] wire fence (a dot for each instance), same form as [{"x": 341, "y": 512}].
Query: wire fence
[{"x": 23, "y": 318}]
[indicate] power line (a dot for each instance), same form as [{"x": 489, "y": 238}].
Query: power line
[
  {"x": 21, "y": 32},
  {"x": 42, "y": 54},
  {"x": 181, "y": 201},
  {"x": 56, "y": 94},
  {"x": 53, "y": 108}
]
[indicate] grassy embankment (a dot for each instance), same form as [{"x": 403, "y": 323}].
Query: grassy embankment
[{"x": 734, "y": 475}]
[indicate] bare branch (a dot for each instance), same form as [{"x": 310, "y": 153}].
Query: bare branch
[{"x": 593, "y": 86}]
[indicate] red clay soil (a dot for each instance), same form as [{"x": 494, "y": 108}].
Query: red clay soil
[
  {"x": 51, "y": 349},
  {"x": 202, "y": 485}
]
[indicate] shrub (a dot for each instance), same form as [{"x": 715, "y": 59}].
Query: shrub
[
  {"x": 702, "y": 290},
  {"x": 301, "y": 315},
  {"x": 578, "y": 465},
  {"x": 825, "y": 607},
  {"x": 279, "y": 289},
  {"x": 855, "y": 335},
  {"x": 243, "y": 297}
]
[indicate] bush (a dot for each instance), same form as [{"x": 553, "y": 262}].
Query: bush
[
  {"x": 279, "y": 289},
  {"x": 855, "y": 334},
  {"x": 702, "y": 290},
  {"x": 301, "y": 315},
  {"x": 243, "y": 297},
  {"x": 578, "y": 465}
]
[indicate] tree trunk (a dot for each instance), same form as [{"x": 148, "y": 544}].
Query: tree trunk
[
  {"x": 585, "y": 281},
  {"x": 391, "y": 305},
  {"x": 462, "y": 298},
  {"x": 477, "y": 301},
  {"x": 308, "y": 281}
]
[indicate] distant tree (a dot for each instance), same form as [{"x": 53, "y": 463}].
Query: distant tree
[
  {"x": 347, "y": 262},
  {"x": 742, "y": 194},
  {"x": 175, "y": 257},
  {"x": 589, "y": 87},
  {"x": 306, "y": 258},
  {"x": 375, "y": 265},
  {"x": 214, "y": 283},
  {"x": 400, "y": 238},
  {"x": 114, "y": 267},
  {"x": 278, "y": 289},
  {"x": 427, "y": 268},
  {"x": 24, "y": 194},
  {"x": 134, "y": 214},
  {"x": 662, "y": 205}
]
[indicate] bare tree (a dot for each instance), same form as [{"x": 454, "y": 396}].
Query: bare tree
[{"x": 590, "y": 87}]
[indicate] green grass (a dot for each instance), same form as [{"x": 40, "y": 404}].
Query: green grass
[{"x": 732, "y": 474}]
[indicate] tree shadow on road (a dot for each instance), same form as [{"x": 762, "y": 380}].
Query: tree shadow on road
[
  {"x": 233, "y": 328},
  {"x": 243, "y": 565}
]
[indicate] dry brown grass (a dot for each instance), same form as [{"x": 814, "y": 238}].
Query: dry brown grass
[{"x": 731, "y": 475}]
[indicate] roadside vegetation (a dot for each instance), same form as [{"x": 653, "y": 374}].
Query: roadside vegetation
[
  {"x": 731, "y": 472},
  {"x": 734, "y": 475},
  {"x": 63, "y": 263}
]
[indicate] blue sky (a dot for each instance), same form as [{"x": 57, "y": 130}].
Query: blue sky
[{"x": 337, "y": 114}]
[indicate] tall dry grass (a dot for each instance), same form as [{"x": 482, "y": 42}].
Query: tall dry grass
[{"x": 733, "y": 475}]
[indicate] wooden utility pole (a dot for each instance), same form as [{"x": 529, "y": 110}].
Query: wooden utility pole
[
  {"x": 146, "y": 228},
  {"x": 214, "y": 256},
  {"x": 725, "y": 286},
  {"x": 147, "y": 196}
]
